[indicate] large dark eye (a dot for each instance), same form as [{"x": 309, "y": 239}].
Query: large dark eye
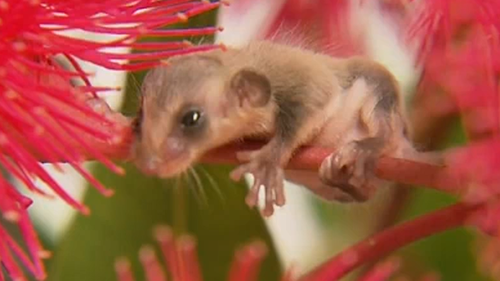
[{"x": 191, "y": 118}]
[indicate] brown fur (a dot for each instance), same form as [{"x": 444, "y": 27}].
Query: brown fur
[{"x": 315, "y": 99}]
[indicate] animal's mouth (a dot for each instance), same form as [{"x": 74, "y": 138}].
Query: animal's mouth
[
  {"x": 169, "y": 171},
  {"x": 167, "y": 166},
  {"x": 174, "y": 167}
]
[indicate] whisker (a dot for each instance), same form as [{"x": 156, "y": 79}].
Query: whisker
[
  {"x": 192, "y": 186},
  {"x": 199, "y": 185},
  {"x": 176, "y": 185},
  {"x": 213, "y": 183},
  {"x": 136, "y": 86},
  {"x": 199, "y": 41},
  {"x": 180, "y": 210}
]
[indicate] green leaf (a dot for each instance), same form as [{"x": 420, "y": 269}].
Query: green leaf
[
  {"x": 120, "y": 225},
  {"x": 449, "y": 253}
]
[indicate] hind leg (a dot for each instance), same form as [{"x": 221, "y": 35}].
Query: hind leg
[
  {"x": 380, "y": 129},
  {"x": 312, "y": 182},
  {"x": 351, "y": 168}
]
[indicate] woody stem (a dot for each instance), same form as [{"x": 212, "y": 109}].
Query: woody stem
[
  {"x": 391, "y": 239},
  {"x": 392, "y": 169},
  {"x": 306, "y": 158}
]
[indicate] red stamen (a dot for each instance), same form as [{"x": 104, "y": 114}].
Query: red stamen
[
  {"x": 165, "y": 239},
  {"x": 159, "y": 55},
  {"x": 78, "y": 69},
  {"x": 34, "y": 245},
  {"x": 46, "y": 117},
  {"x": 190, "y": 267},
  {"x": 123, "y": 271},
  {"x": 247, "y": 261},
  {"x": 21, "y": 175},
  {"x": 95, "y": 153},
  {"x": 184, "y": 32},
  {"x": 151, "y": 265},
  {"x": 9, "y": 263}
]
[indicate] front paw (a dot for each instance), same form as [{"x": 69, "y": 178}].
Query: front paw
[
  {"x": 351, "y": 169},
  {"x": 266, "y": 173}
]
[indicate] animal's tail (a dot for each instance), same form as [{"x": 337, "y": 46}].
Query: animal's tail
[{"x": 408, "y": 151}]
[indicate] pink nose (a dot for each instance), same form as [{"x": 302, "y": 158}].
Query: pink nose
[
  {"x": 150, "y": 165},
  {"x": 153, "y": 163},
  {"x": 173, "y": 148}
]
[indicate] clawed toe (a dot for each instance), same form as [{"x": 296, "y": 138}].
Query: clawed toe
[
  {"x": 350, "y": 170},
  {"x": 237, "y": 173},
  {"x": 246, "y": 155},
  {"x": 253, "y": 194},
  {"x": 266, "y": 174}
]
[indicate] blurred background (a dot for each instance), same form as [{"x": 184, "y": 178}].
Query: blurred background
[{"x": 208, "y": 205}]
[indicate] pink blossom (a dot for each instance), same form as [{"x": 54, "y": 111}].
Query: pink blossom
[
  {"x": 45, "y": 117},
  {"x": 459, "y": 50},
  {"x": 457, "y": 46},
  {"x": 181, "y": 262}
]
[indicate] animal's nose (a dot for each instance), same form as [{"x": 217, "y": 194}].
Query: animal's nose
[
  {"x": 173, "y": 148},
  {"x": 153, "y": 163},
  {"x": 150, "y": 165}
]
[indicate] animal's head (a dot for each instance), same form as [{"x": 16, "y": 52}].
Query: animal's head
[{"x": 191, "y": 105}]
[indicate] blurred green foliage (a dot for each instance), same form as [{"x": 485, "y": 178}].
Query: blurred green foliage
[
  {"x": 449, "y": 253},
  {"x": 120, "y": 225},
  {"x": 212, "y": 210}
]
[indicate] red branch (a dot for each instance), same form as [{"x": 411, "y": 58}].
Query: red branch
[
  {"x": 391, "y": 239},
  {"x": 309, "y": 158},
  {"x": 388, "y": 168}
]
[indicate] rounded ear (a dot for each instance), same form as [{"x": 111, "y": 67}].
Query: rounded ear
[{"x": 250, "y": 87}]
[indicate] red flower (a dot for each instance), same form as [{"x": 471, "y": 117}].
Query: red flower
[
  {"x": 45, "y": 117},
  {"x": 457, "y": 47},
  {"x": 330, "y": 22},
  {"x": 181, "y": 261}
]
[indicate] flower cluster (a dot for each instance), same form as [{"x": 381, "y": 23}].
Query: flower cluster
[
  {"x": 180, "y": 261},
  {"x": 456, "y": 46},
  {"x": 52, "y": 113},
  {"x": 458, "y": 51}
]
